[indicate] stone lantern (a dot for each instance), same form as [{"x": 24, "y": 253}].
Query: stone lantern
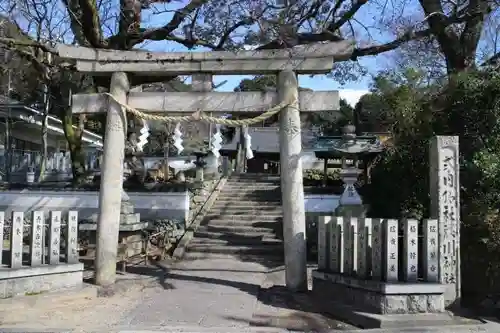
[{"x": 349, "y": 147}]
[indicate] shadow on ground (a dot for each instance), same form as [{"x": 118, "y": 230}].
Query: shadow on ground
[
  {"x": 281, "y": 308},
  {"x": 276, "y": 306}
]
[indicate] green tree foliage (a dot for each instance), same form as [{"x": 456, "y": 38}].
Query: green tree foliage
[
  {"x": 258, "y": 83},
  {"x": 332, "y": 125}
]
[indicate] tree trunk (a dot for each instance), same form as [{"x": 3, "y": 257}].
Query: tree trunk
[
  {"x": 43, "y": 162},
  {"x": 74, "y": 138},
  {"x": 77, "y": 163},
  {"x": 459, "y": 50},
  {"x": 45, "y": 124}
]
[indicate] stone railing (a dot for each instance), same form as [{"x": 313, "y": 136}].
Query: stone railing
[
  {"x": 34, "y": 253},
  {"x": 380, "y": 249},
  {"x": 382, "y": 266}
]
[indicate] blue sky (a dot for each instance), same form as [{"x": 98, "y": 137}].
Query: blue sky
[{"x": 351, "y": 91}]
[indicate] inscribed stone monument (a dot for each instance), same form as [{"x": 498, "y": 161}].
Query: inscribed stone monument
[{"x": 445, "y": 207}]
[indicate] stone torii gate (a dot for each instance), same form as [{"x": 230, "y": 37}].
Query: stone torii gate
[{"x": 286, "y": 63}]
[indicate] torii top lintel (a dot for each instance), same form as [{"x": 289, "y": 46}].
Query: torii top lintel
[{"x": 314, "y": 58}]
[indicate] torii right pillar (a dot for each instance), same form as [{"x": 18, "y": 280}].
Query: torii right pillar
[{"x": 292, "y": 189}]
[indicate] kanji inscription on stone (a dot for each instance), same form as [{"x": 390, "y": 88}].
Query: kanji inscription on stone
[
  {"x": 445, "y": 207},
  {"x": 36, "y": 251},
  {"x": 16, "y": 239},
  {"x": 350, "y": 249},
  {"x": 410, "y": 232},
  {"x": 431, "y": 250},
  {"x": 54, "y": 237},
  {"x": 323, "y": 226},
  {"x": 376, "y": 249},
  {"x": 364, "y": 243},
  {"x": 391, "y": 250},
  {"x": 72, "y": 238},
  {"x": 336, "y": 245}
]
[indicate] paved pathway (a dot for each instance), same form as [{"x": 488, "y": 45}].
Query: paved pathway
[{"x": 225, "y": 293}]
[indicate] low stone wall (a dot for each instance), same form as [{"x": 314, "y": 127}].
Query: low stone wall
[
  {"x": 198, "y": 200},
  {"x": 157, "y": 205},
  {"x": 380, "y": 297},
  {"x": 36, "y": 280}
]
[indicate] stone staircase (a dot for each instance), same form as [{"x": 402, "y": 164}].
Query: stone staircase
[{"x": 245, "y": 222}]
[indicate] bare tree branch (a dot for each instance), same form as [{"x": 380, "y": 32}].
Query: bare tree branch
[{"x": 164, "y": 32}]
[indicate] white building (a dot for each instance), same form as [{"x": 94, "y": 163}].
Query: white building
[{"x": 20, "y": 128}]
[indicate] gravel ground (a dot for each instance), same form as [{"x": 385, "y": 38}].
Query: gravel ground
[{"x": 82, "y": 313}]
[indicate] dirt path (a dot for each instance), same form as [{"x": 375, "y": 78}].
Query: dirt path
[{"x": 80, "y": 311}]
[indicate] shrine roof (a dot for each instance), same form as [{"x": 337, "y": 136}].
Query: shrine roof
[
  {"x": 266, "y": 139},
  {"x": 337, "y": 145}
]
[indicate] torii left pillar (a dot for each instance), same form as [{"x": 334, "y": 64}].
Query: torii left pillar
[{"x": 110, "y": 194}]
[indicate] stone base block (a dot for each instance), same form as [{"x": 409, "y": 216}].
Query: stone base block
[
  {"x": 381, "y": 297},
  {"x": 36, "y": 280},
  {"x": 374, "y": 304},
  {"x": 351, "y": 210},
  {"x": 134, "y": 242},
  {"x": 126, "y": 208},
  {"x": 130, "y": 218}
]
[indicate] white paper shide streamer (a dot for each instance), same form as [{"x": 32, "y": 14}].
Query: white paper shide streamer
[
  {"x": 143, "y": 138},
  {"x": 178, "y": 138},
  {"x": 217, "y": 141},
  {"x": 248, "y": 144}
]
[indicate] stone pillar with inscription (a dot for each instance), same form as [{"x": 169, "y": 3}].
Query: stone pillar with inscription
[
  {"x": 445, "y": 207},
  {"x": 294, "y": 216}
]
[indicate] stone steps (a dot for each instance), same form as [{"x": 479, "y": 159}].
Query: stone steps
[
  {"x": 245, "y": 204},
  {"x": 270, "y": 182},
  {"x": 267, "y": 195},
  {"x": 236, "y": 241},
  {"x": 259, "y": 195},
  {"x": 234, "y": 235},
  {"x": 235, "y": 201},
  {"x": 245, "y": 217},
  {"x": 243, "y": 222},
  {"x": 269, "y": 257},
  {"x": 234, "y": 229},
  {"x": 273, "y": 225},
  {"x": 256, "y": 211},
  {"x": 240, "y": 249},
  {"x": 258, "y": 177},
  {"x": 253, "y": 186}
]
